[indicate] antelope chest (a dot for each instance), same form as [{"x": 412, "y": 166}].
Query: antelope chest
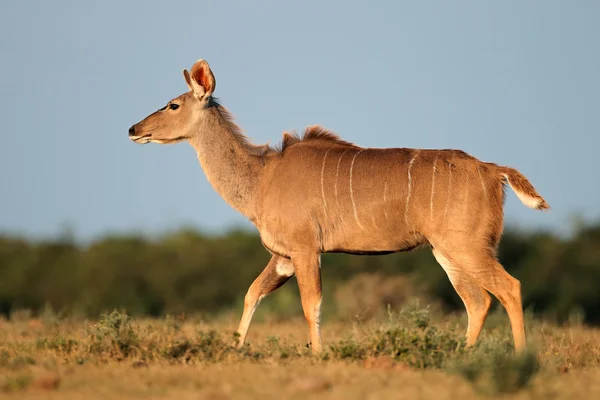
[{"x": 272, "y": 242}]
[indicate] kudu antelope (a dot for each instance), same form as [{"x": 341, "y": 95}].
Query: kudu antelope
[{"x": 319, "y": 194}]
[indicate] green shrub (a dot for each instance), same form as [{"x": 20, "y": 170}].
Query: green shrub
[{"x": 498, "y": 371}]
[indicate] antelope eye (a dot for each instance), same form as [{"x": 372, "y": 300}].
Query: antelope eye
[{"x": 174, "y": 106}]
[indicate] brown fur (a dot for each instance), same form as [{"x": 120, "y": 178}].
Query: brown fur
[
  {"x": 314, "y": 132},
  {"x": 311, "y": 133},
  {"x": 320, "y": 194},
  {"x": 259, "y": 150}
]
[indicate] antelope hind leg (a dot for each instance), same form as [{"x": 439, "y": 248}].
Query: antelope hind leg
[
  {"x": 477, "y": 301},
  {"x": 488, "y": 273}
]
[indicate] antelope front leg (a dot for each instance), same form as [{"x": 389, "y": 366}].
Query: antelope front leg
[
  {"x": 308, "y": 275},
  {"x": 275, "y": 274}
]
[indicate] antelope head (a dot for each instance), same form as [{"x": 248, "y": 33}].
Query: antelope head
[{"x": 181, "y": 117}]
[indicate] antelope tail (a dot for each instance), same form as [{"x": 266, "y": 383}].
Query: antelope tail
[{"x": 523, "y": 189}]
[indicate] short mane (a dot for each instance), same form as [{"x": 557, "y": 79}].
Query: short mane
[
  {"x": 258, "y": 150},
  {"x": 311, "y": 133}
]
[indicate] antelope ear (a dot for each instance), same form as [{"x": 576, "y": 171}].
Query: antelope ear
[
  {"x": 188, "y": 80},
  {"x": 200, "y": 79}
]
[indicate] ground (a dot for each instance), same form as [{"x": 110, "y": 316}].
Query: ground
[{"x": 411, "y": 354}]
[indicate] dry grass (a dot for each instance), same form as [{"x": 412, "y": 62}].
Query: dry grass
[{"x": 408, "y": 355}]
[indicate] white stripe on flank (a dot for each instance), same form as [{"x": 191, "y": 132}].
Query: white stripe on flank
[
  {"x": 323, "y": 186},
  {"x": 466, "y": 197},
  {"x": 449, "y": 185},
  {"x": 410, "y": 164},
  {"x": 384, "y": 192},
  {"x": 373, "y": 219},
  {"x": 432, "y": 187},
  {"x": 482, "y": 183},
  {"x": 351, "y": 191},
  {"x": 337, "y": 173},
  {"x": 384, "y": 198}
]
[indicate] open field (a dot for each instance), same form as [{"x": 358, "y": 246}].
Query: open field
[{"x": 410, "y": 354}]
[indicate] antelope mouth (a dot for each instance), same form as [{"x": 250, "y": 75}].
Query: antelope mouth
[
  {"x": 141, "y": 139},
  {"x": 149, "y": 139}
]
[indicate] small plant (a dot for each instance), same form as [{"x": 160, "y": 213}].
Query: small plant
[
  {"x": 415, "y": 316},
  {"x": 411, "y": 339},
  {"x": 408, "y": 338},
  {"x": 348, "y": 350},
  {"x": 114, "y": 332},
  {"x": 58, "y": 342},
  {"x": 172, "y": 323},
  {"x": 16, "y": 383},
  {"x": 498, "y": 371},
  {"x": 209, "y": 347},
  {"x": 4, "y": 358},
  {"x": 21, "y": 362},
  {"x": 50, "y": 317},
  {"x": 274, "y": 348},
  {"x": 15, "y": 363},
  {"x": 423, "y": 347}
]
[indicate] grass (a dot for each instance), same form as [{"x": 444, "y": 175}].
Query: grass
[{"x": 413, "y": 353}]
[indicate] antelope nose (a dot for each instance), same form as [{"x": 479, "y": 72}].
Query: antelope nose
[{"x": 132, "y": 130}]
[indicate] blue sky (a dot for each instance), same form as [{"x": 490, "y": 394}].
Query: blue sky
[{"x": 511, "y": 82}]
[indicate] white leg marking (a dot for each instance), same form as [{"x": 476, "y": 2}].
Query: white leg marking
[
  {"x": 317, "y": 310},
  {"x": 337, "y": 173},
  {"x": 373, "y": 219},
  {"x": 260, "y": 298},
  {"x": 351, "y": 192},
  {"x": 318, "y": 315},
  {"x": 432, "y": 187},
  {"x": 284, "y": 268},
  {"x": 323, "y": 186},
  {"x": 410, "y": 164},
  {"x": 449, "y": 185},
  {"x": 258, "y": 301},
  {"x": 247, "y": 318},
  {"x": 482, "y": 183}
]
